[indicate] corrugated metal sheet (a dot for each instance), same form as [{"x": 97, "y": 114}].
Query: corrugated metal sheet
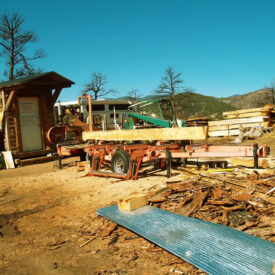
[{"x": 213, "y": 248}]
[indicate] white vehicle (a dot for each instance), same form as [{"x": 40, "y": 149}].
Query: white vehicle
[{"x": 107, "y": 114}]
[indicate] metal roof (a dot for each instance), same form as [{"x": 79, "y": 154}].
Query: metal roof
[
  {"x": 213, "y": 248},
  {"x": 53, "y": 78}
]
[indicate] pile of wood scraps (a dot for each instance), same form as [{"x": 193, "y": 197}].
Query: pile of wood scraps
[
  {"x": 235, "y": 121},
  {"x": 241, "y": 201}
]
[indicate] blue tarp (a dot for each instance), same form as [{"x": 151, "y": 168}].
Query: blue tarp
[{"x": 213, "y": 248}]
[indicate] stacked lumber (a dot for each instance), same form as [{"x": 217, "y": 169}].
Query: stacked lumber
[
  {"x": 197, "y": 121},
  {"x": 242, "y": 119}
]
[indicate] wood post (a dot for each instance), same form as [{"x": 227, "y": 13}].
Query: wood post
[
  {"x": 90, "y": 113},
  {"x": 9, "y": 101},
  {"x": 55, "y": 96},
  {"x": 7, "y": 136}
]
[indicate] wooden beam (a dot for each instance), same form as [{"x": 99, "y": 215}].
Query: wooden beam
[
  {"x": 185, "y": 133},
  {"x": 9, "y": 101},
  {"x": 253, "y": 114},
  {"x": 224, "y": 133},
  {"x": 263, "y": 109},
  {"x": 237, "y": 126},
  {"x": 55, "y": 96},
  {"x": 237, "y": 121},
  {"x": 132, "y": 203}
]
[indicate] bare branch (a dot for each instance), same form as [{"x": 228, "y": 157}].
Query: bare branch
[
  {"x": 97, "y": 86},
  {"x": 13, "y": 41}
]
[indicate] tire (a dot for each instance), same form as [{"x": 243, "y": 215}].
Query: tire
[{"x": 120, "y": 162}]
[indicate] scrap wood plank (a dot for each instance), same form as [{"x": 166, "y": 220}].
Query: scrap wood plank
[
  {"x": 253, "y": 114},
  {"x": 257, "y": 194},
  {"x": 185, "y": 133},
  {"x": 213, "y": 248},
  {"x": 223, "y": 133},
  {"x": 262, "y": 109},
  {"x": 237, "y": 121},
  {"x": 197, "y": 202},
  {"x": 132, "y": 203}
]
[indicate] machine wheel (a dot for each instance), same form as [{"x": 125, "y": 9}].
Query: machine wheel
[{"x": 120, "y": 162}]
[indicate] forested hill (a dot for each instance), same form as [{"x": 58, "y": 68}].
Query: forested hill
[
  {"x": 196, "y": 105},
  {"x": 190, "y": 104},
  {"x": 251, "y": 100}
]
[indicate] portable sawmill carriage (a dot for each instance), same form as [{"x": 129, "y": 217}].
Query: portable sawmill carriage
[
  {"x": 127, "y": 150},
  {"x": 152, "y": 113}
]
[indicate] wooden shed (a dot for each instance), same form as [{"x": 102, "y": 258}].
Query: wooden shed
[{"x": 26, "y": 113}]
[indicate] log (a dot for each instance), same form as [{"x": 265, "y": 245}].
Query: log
[
  {"x": 35, "y": 160},
  {"x": 186, "y": 133},
  {"x": 237, "y": 121}
]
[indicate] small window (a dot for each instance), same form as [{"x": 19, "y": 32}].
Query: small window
[
  {"x": 96, "y": 107},
  {"x": 112, "y": 115},
  {"x": 119, "y": 107}
]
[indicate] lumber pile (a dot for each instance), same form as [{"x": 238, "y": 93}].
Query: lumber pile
[
  {"x": 197, "y": 121},
  {"x": 235, "y": 121},
  {"x": 185, "y": 133}
]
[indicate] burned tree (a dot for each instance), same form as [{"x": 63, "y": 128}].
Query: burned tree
[
  {"x": 13, "y": 41},
  {"x": 170, "y": 85},
  {"x": 272, "y": 92},
  {"x": 133, "y": 94},
  {"x": 97, "y": 86}
]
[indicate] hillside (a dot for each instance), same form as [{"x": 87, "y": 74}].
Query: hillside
[
  {"x": 190, "y": 104},
  {"x": 251, "y": 100}
]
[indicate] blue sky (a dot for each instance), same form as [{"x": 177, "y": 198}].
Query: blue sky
[{"x": 221, "y": 47}]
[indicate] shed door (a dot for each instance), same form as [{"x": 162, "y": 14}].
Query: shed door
[{"x": 30, "y": 124}]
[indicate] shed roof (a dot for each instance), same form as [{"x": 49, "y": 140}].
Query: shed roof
[{"x": 51, "y": 79}]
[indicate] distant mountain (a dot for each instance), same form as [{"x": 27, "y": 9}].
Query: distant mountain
[
  {"x": 254, "y": 99},
  {"x": 148, "y": 97}
]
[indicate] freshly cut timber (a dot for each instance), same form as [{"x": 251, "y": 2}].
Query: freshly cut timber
[
  {"x": 185, "y": 133},
  {"x": 263, "y": 109},
  {"x": 224, "y": 133},
  {"x": 238, "y": 121},
  {"x": 243, "y": 115},
  {"x": 237, "y": 126}
]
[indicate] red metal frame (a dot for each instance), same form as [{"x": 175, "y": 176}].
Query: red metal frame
[{"x": 141, "y": 153}]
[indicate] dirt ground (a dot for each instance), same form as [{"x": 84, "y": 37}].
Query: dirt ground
[{"x": 46, "y": 214}]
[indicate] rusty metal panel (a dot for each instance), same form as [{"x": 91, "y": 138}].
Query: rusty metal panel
[{"x": 213, "y": 248}]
